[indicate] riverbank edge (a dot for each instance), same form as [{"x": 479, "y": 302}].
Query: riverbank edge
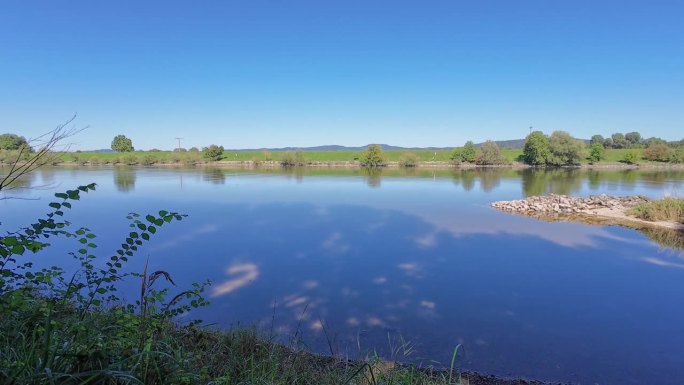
[{"x": 392, "y": 165}]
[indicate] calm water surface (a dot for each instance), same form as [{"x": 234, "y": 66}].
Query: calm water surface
[{"x": 368, "y": 259}]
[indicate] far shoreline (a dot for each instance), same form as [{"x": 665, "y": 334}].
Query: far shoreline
[{"x": 389, "y": 165}]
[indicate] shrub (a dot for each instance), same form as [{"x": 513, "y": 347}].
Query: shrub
[
  {"x": 409, "y": 160},
  {"x": 455, "y": 157},
  {"x": 372, "y": 157},
  {"x": 630, "y": 157},
  {"x": 677, "y": 156},
  {"x": 148, "y": 160},
  {"x": 130, "y": 160},
  {"x": 658, "y": 152},
  {"x": 564, "y": 149},
  {"x": 194, "y": 149},
  {"x": 213, "y": 152},
  {"x": 490, "y": 154},
  {"x": 468, "y": 152},
  {"x": 596, "y": 152},
  {"x": 536, "y": 150},
  {"x": 75, "y": 336},
  {"x": 293, "y": 159},
  {"x": 666, "y": 209}
]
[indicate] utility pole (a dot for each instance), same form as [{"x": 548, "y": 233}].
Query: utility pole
[
  {"x": 179, "y": 147},
  {"x": 530, "y": 129}
]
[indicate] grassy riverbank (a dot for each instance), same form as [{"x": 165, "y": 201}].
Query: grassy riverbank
[
  {"x": 50, "y": 341},
  {"x": 613, "y": 158}
]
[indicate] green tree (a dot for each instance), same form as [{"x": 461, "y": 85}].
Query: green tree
[
  {"x": 373, "y": 156},
  {"x": 12, "y": 142},
  {"x": 597, "y": 139},
  {"x": 213, "y": 152},
  {"x": 536, "y": 150},
  {"x": 596, "y": 152},
  {"x": 608, "y": 143},
  {"x": 122, "y": 144},
  {"x": 619, "y": 140},
  {"x": 490, "y": 154},
  {"x": 469, "y": 152},
  {"x": 633, "y": 139},
  {"x": 564, "y": 149}
]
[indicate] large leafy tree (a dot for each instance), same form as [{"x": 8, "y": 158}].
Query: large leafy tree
[
  {"x": 536, "y": 150},
  {"x": 122, "y": 144},
  {"x": 565, "y": 150},
  {"x": 12, "y": 142},
  {"x": 634, "y": 138},
  {"x": 490, "y": 154},
  {"x": 597, "y": 139}
]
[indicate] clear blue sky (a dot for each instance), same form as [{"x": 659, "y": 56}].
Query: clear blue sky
[{"x": 252, "y": 73}]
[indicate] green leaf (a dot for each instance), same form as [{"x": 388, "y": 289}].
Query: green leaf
[
  {"x": 145, "y": 236},
  {"x": 61, "y": 195},
  {"x": 10, "y": 241},
  {"x": 55, "y": 205}
]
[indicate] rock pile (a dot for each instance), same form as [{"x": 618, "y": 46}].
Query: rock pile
[{"x": 563, "y": 204}]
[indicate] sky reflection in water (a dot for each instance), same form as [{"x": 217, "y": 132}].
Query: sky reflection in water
[{"x": 418, "y": 255}]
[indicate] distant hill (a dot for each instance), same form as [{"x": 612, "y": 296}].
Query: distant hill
[{"x": 514, "y": 143}]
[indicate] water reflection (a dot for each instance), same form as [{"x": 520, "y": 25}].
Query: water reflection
[
  {"x": 124, "y": 179},
  {"x": 214, "y": 175},
  {"x": 373, "y": 176},
  {"x": 295, "y": 172},
  {"x": 361, "y": 273},
  {"x": 557, "y": 181}
]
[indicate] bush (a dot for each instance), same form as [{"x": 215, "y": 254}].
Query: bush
[
  {"x": 372, "y": 157},
  {"x": 630, "y": 157},
  {"x": 490, "y": 154},
  {"x": 666, "y": 209},
  {"x": 68, "y": 329},
  {"x": 293, "y": 159},
  {"x": 148, "y": 160},
  {"x": 677, "y": 156},
  {"x": 596, "y": 152},
  {"x": 213, "y": 152},
  {"x": 130, "y": 160},
  {"x": 409, "y": 160},
  {"x": 536, "y": 150},
  {"x": 468, "y": 153},
  {"x": 658, "y": 152},
  {"x": 13, "y": 142},
  {"x": 564, "y": 150}
]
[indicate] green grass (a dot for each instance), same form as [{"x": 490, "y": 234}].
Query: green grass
[
  {"x": 49, "y": 342},
  {"x": 511, "y": 156},
  {"x": 666, "y": 209}
]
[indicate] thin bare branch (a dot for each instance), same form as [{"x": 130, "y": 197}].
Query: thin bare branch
[{"x": 49, "y": 148}]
